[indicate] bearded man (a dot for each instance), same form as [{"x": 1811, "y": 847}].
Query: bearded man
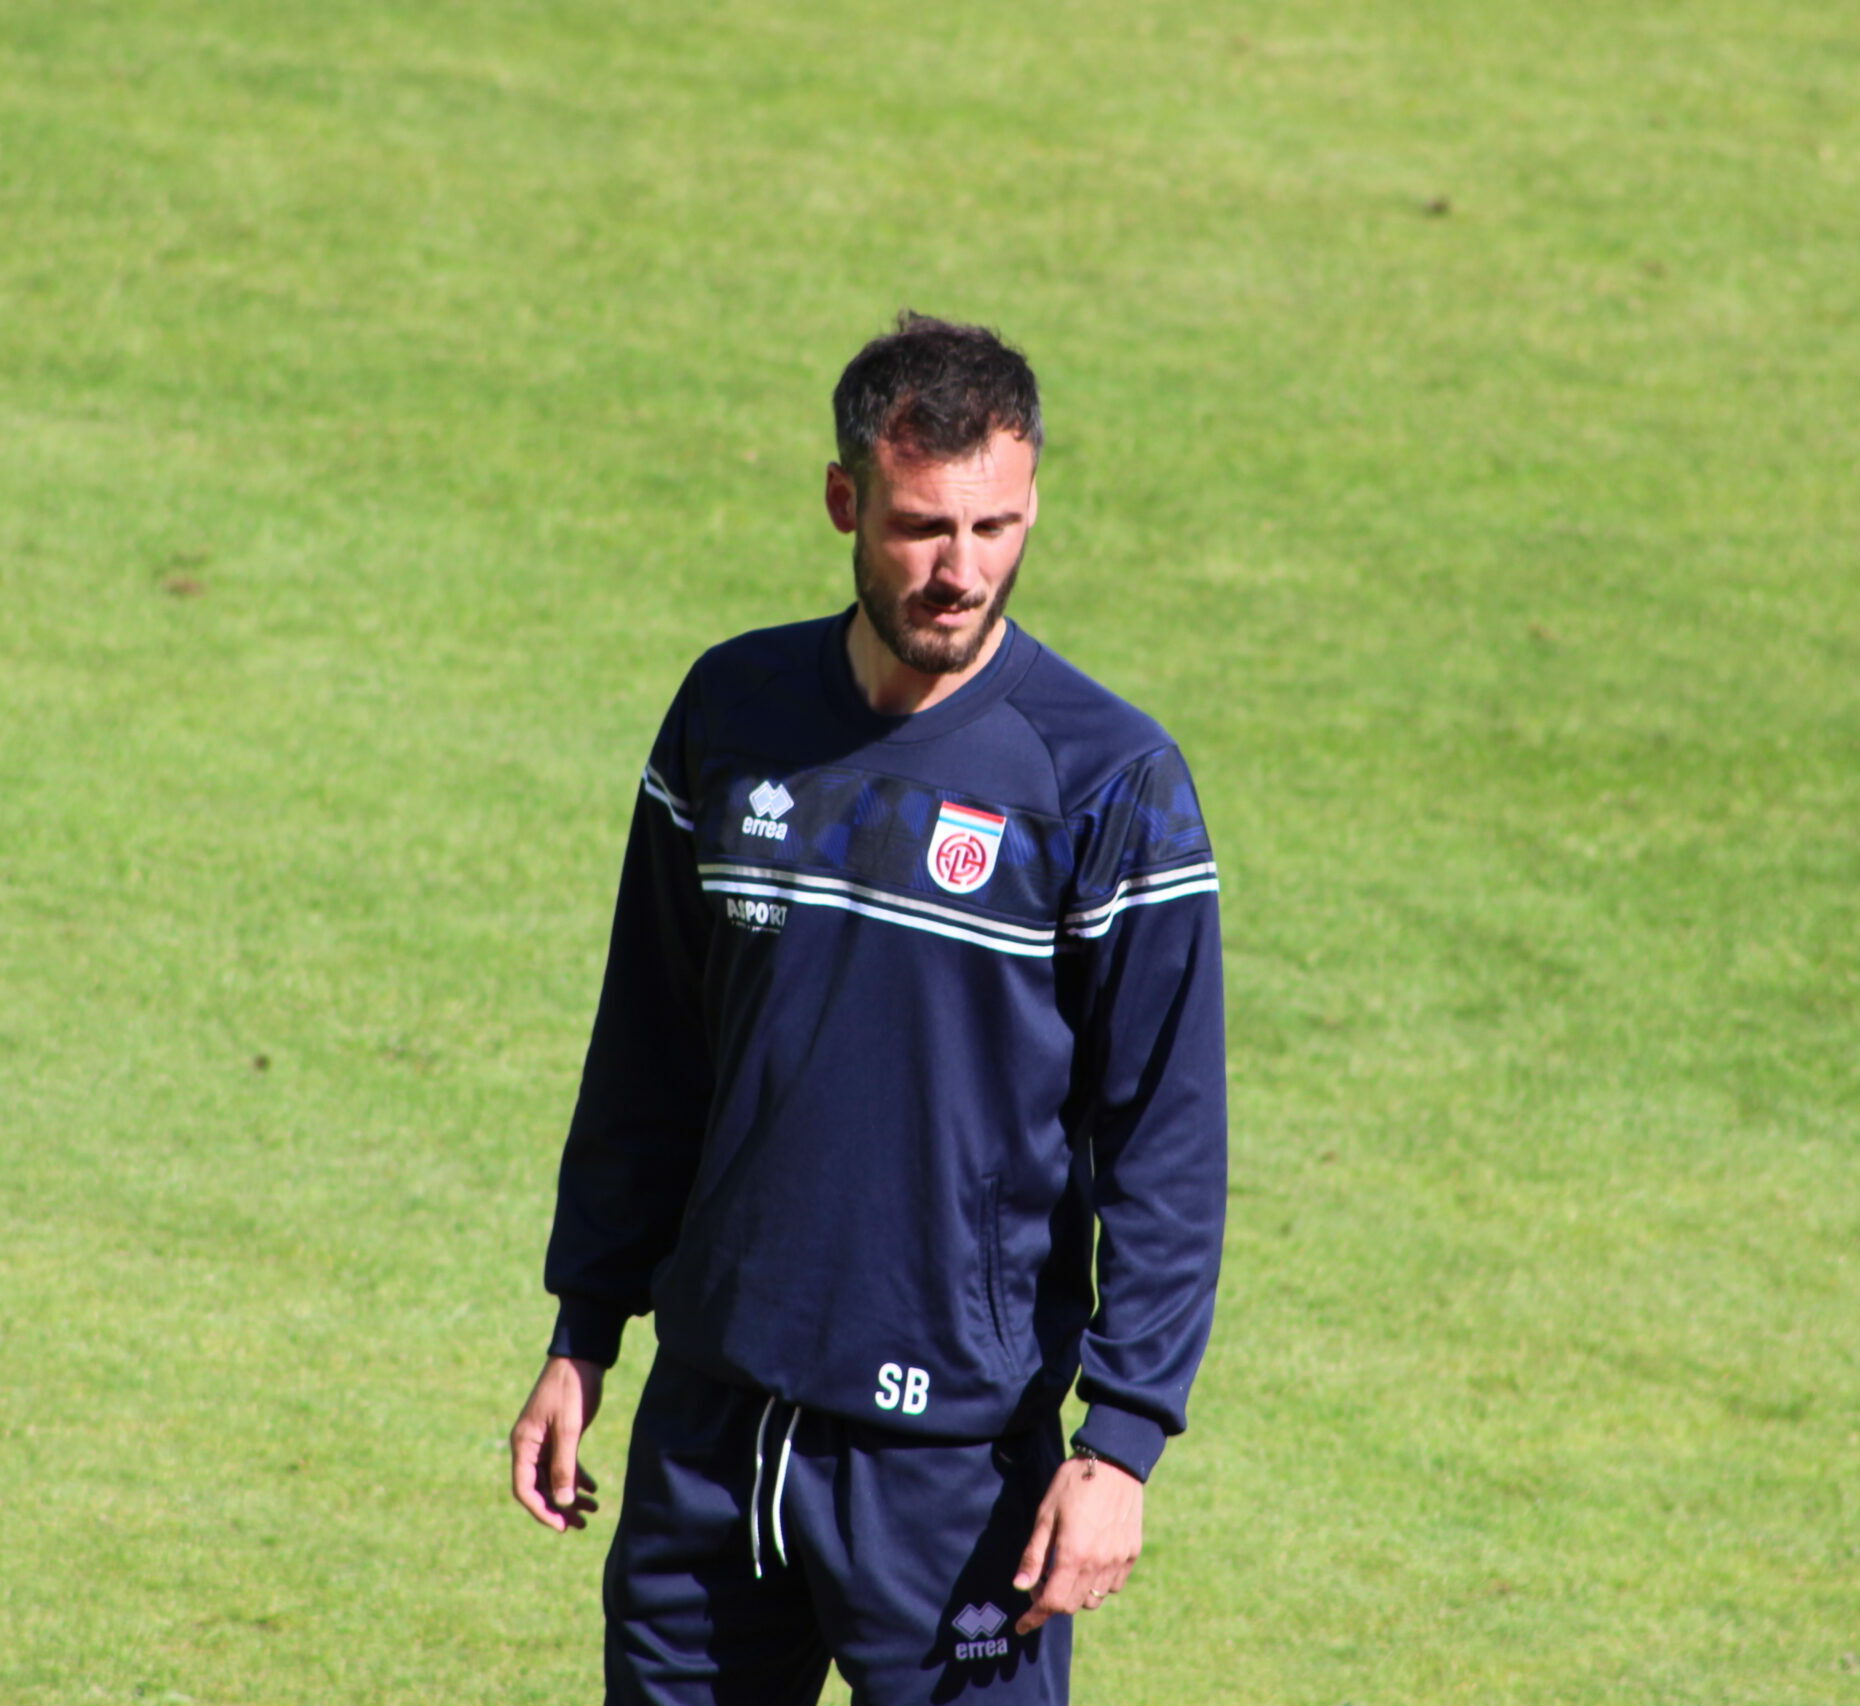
[{"x": 904, "y": 1111}]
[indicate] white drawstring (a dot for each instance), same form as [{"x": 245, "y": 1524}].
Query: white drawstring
[
  {"x": 781, "y": 1477},
  {"x": 755, "y": 1496},
  {"x": 781, "y": 1480}
]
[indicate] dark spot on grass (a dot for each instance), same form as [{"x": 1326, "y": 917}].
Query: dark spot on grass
[
  {"x": 1439, "y": 208},
  {"x": 1794, "y": 1407},
  {"x": 179, "y": 579},
  {"x": 403, "y": 1052},
  {"x": 1542, "y": 635},
  {"x": 261, "y": 1063}
]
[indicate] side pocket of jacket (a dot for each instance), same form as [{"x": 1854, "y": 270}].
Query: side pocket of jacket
[{"x": 988, "y": 1238}]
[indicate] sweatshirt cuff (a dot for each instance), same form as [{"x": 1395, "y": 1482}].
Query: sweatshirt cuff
[
  {"x": 587, "y": 1330},
  {"x": 1130, "y": 1441}
]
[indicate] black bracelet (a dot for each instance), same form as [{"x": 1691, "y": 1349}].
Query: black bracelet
[{"x": 1084, "y": 1454}]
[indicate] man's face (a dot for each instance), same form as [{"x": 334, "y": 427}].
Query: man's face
[{"x": 936, "y": 546}]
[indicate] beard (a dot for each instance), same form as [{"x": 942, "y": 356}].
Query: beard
[{"x": 928, "y": 651}]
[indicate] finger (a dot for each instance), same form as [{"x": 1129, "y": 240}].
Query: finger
[
  {"x": 1033, "y": 1560},
  {"x": 526, "y": 1477},
  {"x": 575, "y": 1515},
  {"x": 1037, "y": 1613},
  {"x": 1059, "y": 1595},
  {"x": 564, "y": 1465},
  {"x": 1047, "y": 1604}
]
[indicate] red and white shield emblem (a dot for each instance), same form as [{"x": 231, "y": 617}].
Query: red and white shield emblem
[{"x": 963, "y": 848}]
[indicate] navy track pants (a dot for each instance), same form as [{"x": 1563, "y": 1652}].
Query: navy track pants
[{"x": 759, "y": 1542}]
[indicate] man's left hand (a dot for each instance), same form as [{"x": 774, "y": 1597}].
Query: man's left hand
[{"x": 1085, "y": 1539}]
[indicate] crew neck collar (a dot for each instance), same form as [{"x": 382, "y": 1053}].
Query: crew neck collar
[{"x": 1012, "y": 659}]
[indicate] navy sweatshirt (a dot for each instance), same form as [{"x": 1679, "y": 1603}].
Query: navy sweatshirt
[{"x": 896, "y": 1009}]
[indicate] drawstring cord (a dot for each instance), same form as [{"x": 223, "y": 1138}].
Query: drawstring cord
[
  {"x": 755, "y": 1495},
  {"x": 781, "y": 1480}
]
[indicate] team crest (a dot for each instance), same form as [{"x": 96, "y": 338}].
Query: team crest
[{"x": 963, "y": 848}]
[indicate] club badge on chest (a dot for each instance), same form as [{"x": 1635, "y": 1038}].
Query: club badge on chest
[{"x": 963, "y": 848}]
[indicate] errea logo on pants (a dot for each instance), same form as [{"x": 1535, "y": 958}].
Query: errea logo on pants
[
  {"x": 982, "y": 1625},
  {"x": 914, "y": 1398}
]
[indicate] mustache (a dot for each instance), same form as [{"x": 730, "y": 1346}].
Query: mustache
[{"x": 953, "y": 601}]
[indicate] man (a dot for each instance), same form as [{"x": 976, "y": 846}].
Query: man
[{"x": 914, "y": 983}]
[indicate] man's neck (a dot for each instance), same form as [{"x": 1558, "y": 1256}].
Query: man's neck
[{"x": 894, "y": 689}]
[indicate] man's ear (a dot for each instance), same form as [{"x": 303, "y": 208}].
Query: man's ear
[{"x": 842, "y": 498}]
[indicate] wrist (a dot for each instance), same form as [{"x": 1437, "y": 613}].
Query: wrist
[
  {"x": 1131, "y": 1441},
  {"x": 1091, "y": 1457}
]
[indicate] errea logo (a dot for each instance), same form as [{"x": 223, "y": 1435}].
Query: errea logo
[
  {"x": 770, "y": 801},
  {"x": 981, "y": 1627}
]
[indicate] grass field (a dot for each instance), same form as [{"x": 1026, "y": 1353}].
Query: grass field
[{"x": 1452, "y": 438}]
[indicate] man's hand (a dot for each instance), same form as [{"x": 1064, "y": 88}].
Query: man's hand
[
  {"x": 1085, "y": 1539},
  {"x": 545, "y": 1471}
]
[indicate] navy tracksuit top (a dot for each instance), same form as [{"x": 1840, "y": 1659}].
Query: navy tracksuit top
[{"x": 896, "y": 1009}]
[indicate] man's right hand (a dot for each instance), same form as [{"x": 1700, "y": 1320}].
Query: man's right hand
[{"x": 545, "y": 1469}]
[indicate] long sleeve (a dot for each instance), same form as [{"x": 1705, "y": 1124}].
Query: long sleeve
[
  {"x": 634, "y": 1140},
  {"x": 1157, "y": 1120}
]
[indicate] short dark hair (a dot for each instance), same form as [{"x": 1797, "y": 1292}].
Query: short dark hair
[{"x": 933, "y": 389}]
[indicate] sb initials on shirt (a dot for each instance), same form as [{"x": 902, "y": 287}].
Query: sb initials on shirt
[{"x": 904, "y": 1389}]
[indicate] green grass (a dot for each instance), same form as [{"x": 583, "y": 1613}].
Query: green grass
[{"x": 1452, "y": 439}]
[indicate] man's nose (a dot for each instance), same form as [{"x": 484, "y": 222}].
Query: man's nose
[{"x": 957, "y": 562}]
